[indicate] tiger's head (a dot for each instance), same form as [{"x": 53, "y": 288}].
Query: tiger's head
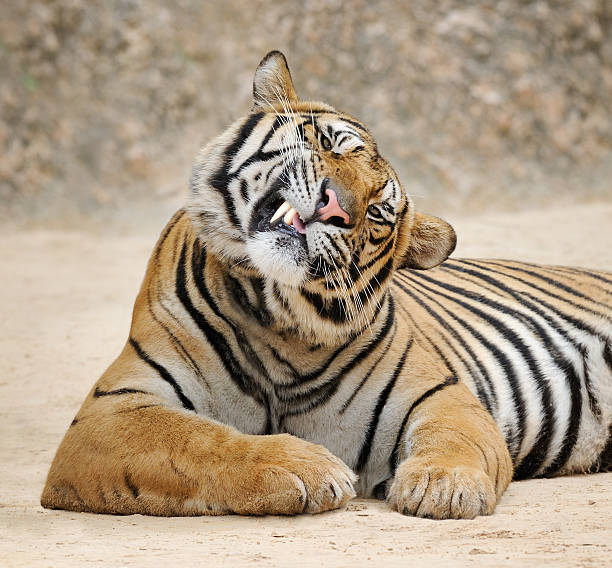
[{"x": 297, "y": 192}]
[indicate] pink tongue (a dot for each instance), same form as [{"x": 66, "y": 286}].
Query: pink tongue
[{"x": 298, "y": 224}]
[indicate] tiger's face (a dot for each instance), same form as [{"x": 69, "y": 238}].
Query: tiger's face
[
  {"x": 298, "y": 192},
  {"x": 330, "y": 203}
]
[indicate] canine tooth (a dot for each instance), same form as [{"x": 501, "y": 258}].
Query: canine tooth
[
  {"x": 284, "y": 207},
  {"x": 288, "y": 218}
]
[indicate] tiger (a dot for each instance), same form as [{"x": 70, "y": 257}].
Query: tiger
[{"x": 301, "y": 337}]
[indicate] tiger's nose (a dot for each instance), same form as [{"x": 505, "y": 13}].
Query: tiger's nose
[{"x": 332, "y": 208}]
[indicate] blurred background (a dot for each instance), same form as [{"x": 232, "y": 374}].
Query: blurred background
[{"x": 477, "y": 104}]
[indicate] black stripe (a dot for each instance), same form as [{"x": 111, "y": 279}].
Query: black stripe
[
  {"x": 260, "y": 155},
  {"x": 382, "y": 222},
  {"x": 72, "y": 488},
  {"x": 395, "y": 193},
  {"x": 268, "y": 426},
  {"x": 221, "y": 179},
  {"x": 375, "y": 241},
  {"x": 376, "y": 281},
  {"x": 559, "y": 285},
  {"x": 502, "y": 359},
  {"x": 354, "y": 123},
  {"x": 98, "y": 393},
  {"x": 520, "y": 297},
  {"x": 264, "y": 316},
  {"x": 216, "y": 339},
  {"x": 607, "y": 354},
  {"x": 164, "y": 374},
  {"x": 334, "y": 309},
  {"x": 136, "y": 408},
  {"x": 578, "y": 324},
  {"x": 380, "y": 254},
  {"x": 329, "y": 388},
  {"x": 315, "y": 111},
  {"x": 363, "y": 381},
  {"x": 162, "y": 239},
  {"x": 380, "y": 490},
  {"x": 198, "y": 268},
  {"x": 283, "y": 301},
  {"x": 596, "y": 276},
  {"x": 482, "y": 395},
  {"x": 341, "y": 136},
  {"x": 366, "y": 448},
  {"x": 562, "y": 362},
  {"x": 593, "y": 403},
  {"x": 539, "y": 451},
  {"x": 334, "y": 246},
  {"x": 305, "y": 177},
  {"x": 348, "y": 241},
  {"x": 604, "y": 460},
  {"x": 244, "y": 190},
  {"x": 394, "y": 458},
  {"x": 249, "y": 353},
  {"x": 183, "y": 353},
  {"x": 571, "y": 433},
  {"x": 238, "y": 292},
  {"x": 130, "y": 485},
  {"x": 269, "y": 174},
  {"x": 300, "y": 379},
  {"x": 356, "y": 277}
]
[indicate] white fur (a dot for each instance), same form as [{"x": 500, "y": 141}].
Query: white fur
[{"x": 286, "y": 265}]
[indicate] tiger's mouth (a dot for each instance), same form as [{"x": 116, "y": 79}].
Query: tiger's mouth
[{"x": 276, "y": 214}]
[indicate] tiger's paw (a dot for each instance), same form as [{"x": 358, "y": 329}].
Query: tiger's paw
[
  {"x": 288, "y": 475},
  {"x": 428, "y": 489}
]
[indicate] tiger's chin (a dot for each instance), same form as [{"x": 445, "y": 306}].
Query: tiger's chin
[{"x": 280, "y": 257}]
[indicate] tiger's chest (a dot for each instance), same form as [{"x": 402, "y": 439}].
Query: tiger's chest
[{"x": 354, "y": 408}]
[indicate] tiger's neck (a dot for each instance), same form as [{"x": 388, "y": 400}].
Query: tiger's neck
[{"x": 314, "y": 318}]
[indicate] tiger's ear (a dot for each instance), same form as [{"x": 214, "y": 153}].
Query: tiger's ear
[
  {"x": 272, "y": 84},
  {"x": 432, "y": 241}
]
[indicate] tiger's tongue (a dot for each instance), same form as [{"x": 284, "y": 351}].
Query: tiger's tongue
[{"x": 298, "y": 224}]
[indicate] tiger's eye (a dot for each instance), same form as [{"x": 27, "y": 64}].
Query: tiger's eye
[
  {"x": 374, "y": 211},
  {"x": 326, "y": 143}
]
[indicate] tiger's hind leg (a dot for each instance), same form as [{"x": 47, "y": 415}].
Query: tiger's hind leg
[
  {"x": 456, "y": 462},
  {"x": 131, "y": 451}
]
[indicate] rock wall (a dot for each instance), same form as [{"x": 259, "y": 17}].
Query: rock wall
[{"x": 476, "y": 103}]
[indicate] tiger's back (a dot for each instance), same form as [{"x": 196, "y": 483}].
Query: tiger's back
[{"x": 534, "y": 343}]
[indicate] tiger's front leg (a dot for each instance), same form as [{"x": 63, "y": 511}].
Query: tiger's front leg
[
  {"x": 455, "y": 460},
  {"x": 131, "y": 451}
]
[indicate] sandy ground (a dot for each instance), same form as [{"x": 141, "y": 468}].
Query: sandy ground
[{"x": 66, "y": 302}]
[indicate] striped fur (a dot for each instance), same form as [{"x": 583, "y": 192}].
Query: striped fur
[{"x": 274, "y": 371}]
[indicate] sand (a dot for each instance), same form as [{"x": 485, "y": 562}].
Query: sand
[{"x": 66, "y": 305}]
